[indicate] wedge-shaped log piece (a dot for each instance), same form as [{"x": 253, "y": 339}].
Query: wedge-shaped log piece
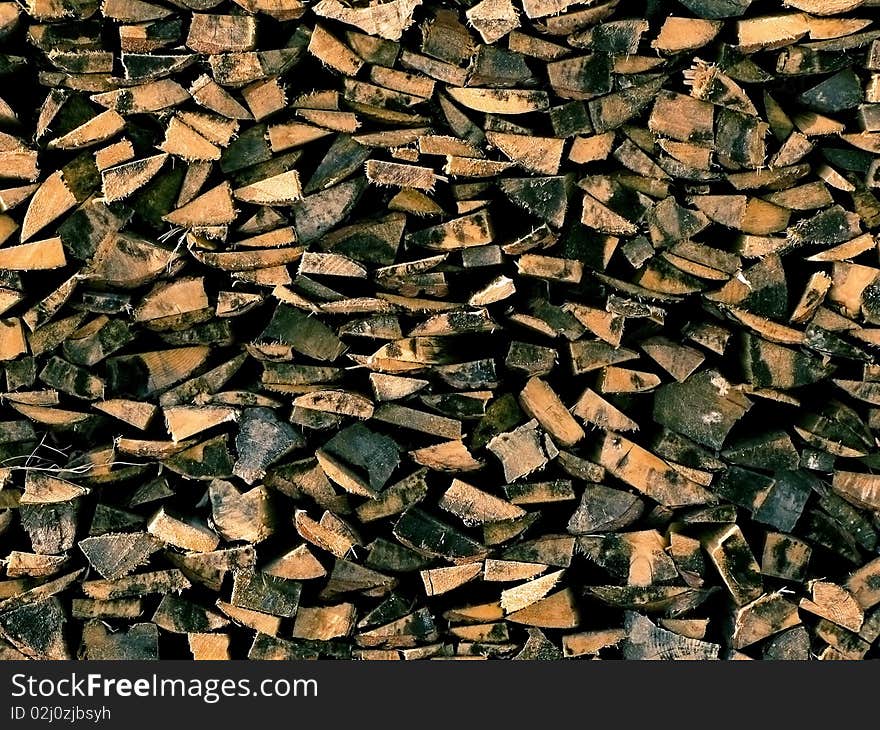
[
  {"x": 786, "y": 557},
  {"x": 770, "y": 365},
  {"x": 500, "y": 101},
  {"x": 37, "y": 629},
  {"x": 557, "y": 611},
  {"x": 685, "y": 34},
  {"x": 36, "y": 256},
  {"x": 429, "y": 536},
  {"x": 616, "y": 109},
  {"x": 278, "y": 190},
  {"x": 603, "y": 509},
  {"x": 601, "y": 218},
  {"x": 543, "y": 197},
  {"x": 210, "y": 569},
  {"x": 594, "y": 409},
  {"x": 732, "y": 557},
  {"x": 862, "y": 489},
  {"x": 332, "y": 52},
  {"x": 557, "y": 490},
  {"x": 271, "y": 647},
  {"x": 134, "y": 11},
  {"x": 670, "y": 600},
  {"x": 493, "y": 19},
  {"x": 262, "y": 439},
  {"x": 330, "y": 264},
  {"x": 590, "y": 643},
  {"x": 341, "y": 402},
  {"x": 638, "y": 557},
  {"x": 181, "y": 140},
  {"x": 542, "y": 155},
  {"x": 413, "y": 419},
  {"x": 208, "y": 646},
  {"x": 646, "y": 641},
  {"x": 317, "y": 213},
  {"x": 474, "y": 506},
  {"x": 340, "y": 474},
  {"x": 179, "y": 615},
  {"x": 438, "y": 581},
  {"x": 864, "y": 584},
  {"x": 49, "y": 509},
  {"x": 213, "y": 208},
  {"x": 222, "y": 33},
  {"x": 396, "y": 498},
  {"x": 124, "y": 261},
  {"x": 256, "y": 591},
  {"x": 834, "y": 603},
  {"x": 617, "y": 380},
  {"x": 704, "y": 408},
  {"x": 763, "y": 617},
  {"x": 387, "y": 20},
  {"x": 471, "y": 230},
  {"x": 331, "y": 533},
  {"x": 114, "y": 556},
  {"x": 99, "y": 129},
  {"x": 297, "y": 564},
  {"x": 248, "y": 517},
  {"x": 150, "y": 372},
  {"x": 139, "y": 642},
  {"x": 521, "y": 451},
  {"x": 243, "y": 68},
  {"x": 349, "y": 577},
  {"x": 161, "y": 582},
  {"x": 307, "y": 335},
  {"x": 541, "y": 403},
  {"x": 12, "y": 339},
  {"x": 185, "y": 535},
  {"x": 649, "y": 474},
  {"x": 323, "y": 623},
  {"x": 211, "y": 95},
  {"x": 151, "y": 97},
  {"x": 771, "y": 31},
  {"x": 120, "y": 181},
  {"x": 581, "y": 77},
  {"x": 380, "y": 172}
]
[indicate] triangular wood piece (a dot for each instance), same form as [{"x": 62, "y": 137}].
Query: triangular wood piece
[
  {"x": 543, "y": 197},
  {"x": 211, "y": 95},
  {"x": 98, "y": 129},
  {"x": 677, "y": 360},
  {"x": 37, "y": 629},
  {"x": 213, "y": 208},
  {"x": 392, "y": 387},
  {"x": 283, "y": 189},
  {"x": 536, "y": 154},
  {"x": 114, "y": 556},
  {"x": 442, "y": 580},
  {"x": 348, "y": 577},
  {"x": 298, "y": 564},
  {"x": 122, "y": 180},
  {"x": 183, "y": 141},
  {"x": 36, "y": 256},
  {"x": 185, "y": 421},
  {"x": 557, "y": 611},
  {"x": 51, "y": 200}
]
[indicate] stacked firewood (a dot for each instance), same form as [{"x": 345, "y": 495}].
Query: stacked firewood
[{"x": 519, "y": 329}]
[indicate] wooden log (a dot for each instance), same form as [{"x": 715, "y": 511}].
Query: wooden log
[{"x": 730, "y": 553}]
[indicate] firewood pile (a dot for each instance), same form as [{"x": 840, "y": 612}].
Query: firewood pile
[{"x": 517, "y": 329}]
